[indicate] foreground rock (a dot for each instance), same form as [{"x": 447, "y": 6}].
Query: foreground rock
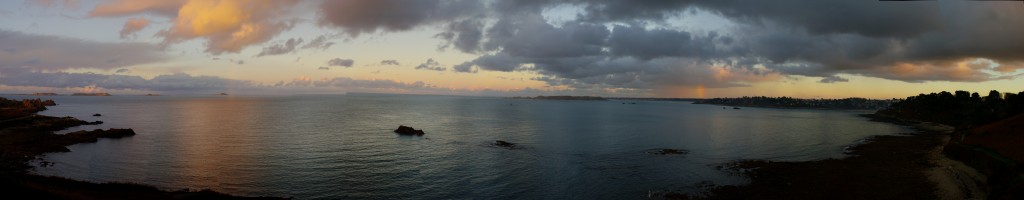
[
  {"x": 405, "y": 130},
  {"x": 887, "y": 167},
  {"x": 24, "y": 136},
  {"x": 505, "y": 145}
]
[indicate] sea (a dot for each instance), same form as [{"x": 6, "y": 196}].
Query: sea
[{"x": 344, "y": 147}]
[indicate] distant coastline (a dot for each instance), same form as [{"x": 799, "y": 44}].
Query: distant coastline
[
  {"x": 787, "y": 102},
  {"x": 92, "y": 94},
  {"x": 587, "y": 98}
]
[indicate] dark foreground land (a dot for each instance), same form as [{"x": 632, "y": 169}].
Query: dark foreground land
[
  {"x": 886, "y": 167},
  {"x": 24, "y": 136},
  {"x": 965, "y": 147}
]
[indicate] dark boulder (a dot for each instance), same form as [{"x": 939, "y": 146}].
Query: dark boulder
[
  {"x": 504, "y": 144},
  {"x": 405, "y": 130},
  {"x": 96, "y": 115}
]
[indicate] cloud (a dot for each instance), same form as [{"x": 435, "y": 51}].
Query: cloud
[
  {"x": 178, "y": 82},
  {"x": 464, "y": 35},
  {"x": 122, "y": 71},
  {"x": 323, "y": 68},
  {"x": 431, "y": 65},
  {"x": 340, "y": 62},
  {"x": 228, "y": 26},
  {"x": 616, "y": 40},
  {"x": 355, "y": 84},
  {"x": 133, "y": 25},
  {"x": 67, "y": 4},
  {"x": 868, "y": 18},
  {"x": 283, "y": 48},
  {"x": 119, "y": 8},
  {"x": 466, "y": 67},
  {"x": 389, "y": 62},
  {"x": 499, "y": 62},
  {"x": 319, "y": 43},
  {"x": 356, "y": 17},
  {"x": 51, "y": 53},
  {"x": 833, "y": 79}
]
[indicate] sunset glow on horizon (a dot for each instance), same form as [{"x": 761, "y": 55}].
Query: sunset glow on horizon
[{"x": 512, "y": 48}]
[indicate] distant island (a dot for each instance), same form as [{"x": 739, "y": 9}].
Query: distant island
[
  {"x": 45, "y": 94},
  {"x": 590, "y": 98},
  {"x": 653, "y": 99},
  {"x": 787, "y": 102},
  {"x": 91, "y": 94}
]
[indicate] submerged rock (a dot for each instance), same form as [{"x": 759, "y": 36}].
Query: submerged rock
[
  {"x": 668, "y": 151},
  {"x": 405, "y": 130},
  {"x": 96, "y": 115},
  {"x": 506, "y": 145}
]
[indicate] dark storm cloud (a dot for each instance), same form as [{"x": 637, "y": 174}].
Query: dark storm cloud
[
  {"x": 356, "y": 17},
  {"x": 499, "y": 62},
  {"x": 466, "y": 67},
  {"x": 652, "y": 43},
  {"x": 628, "y": 10},
  {"x": 41, "y": 52},
  {"x": 869, "y": 18},
  {"x": 629, "y": 44},
  {"x": 464, "y": 35},
  {"x": 341, "y": 62}
]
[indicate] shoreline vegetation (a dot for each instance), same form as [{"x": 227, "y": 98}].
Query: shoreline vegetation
[
  {"x": 964, "y": 147},
  {"x": 787, "y": 102},
  {"x": 25, "y": 136}
]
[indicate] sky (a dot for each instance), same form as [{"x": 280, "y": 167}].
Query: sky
[{"x": 614, "y": 48}]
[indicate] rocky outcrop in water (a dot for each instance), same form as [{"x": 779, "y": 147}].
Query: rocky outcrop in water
[
  {"x": 24, "y": 136},
  {"x": 504, "y": 144},
  {"x": 405, "y": 130},
  {"x": 668, "y": 151}
]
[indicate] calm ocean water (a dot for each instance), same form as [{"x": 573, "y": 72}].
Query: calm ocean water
[{"x": 341, "y": 146}]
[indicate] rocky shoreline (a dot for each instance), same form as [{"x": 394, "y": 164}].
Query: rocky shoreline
[
  {"x": 24, "y": 136},
  {"x": 905, "y": 166}
]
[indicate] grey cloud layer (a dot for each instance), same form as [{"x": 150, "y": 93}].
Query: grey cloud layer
[
  {"x": 172, "y": 82},
  {"x": 616, "y": 42},
  {"x": 41, "y": 52}
]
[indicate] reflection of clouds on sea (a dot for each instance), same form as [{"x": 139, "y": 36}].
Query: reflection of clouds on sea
[{"x": 342, "y": 146}]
